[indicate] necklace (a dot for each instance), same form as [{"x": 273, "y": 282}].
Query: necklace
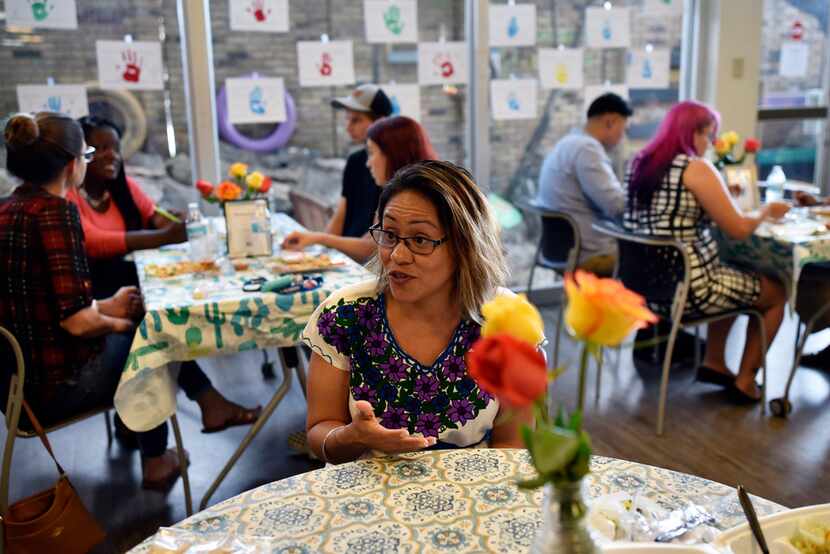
[{"x": 99, "y": 204}]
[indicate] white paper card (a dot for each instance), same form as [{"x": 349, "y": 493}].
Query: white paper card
[
  {"x": 794, "y": 57},
  {"x": 648, "y": 69},
  {"x": 514, "y": 98},
  {"x": 607, "y": 28},
  {"x": 67, "y": 99},
  {"x": 325, "y": 63},
  {"x": 255, "y": 100},
  {"x": 663, "y": 7},
  {"x": 513, "y": 25},
  {"x": 249, "y": 228},
  {"x": 442, "y": 63},
  {"x": 594, "y": 91},
  {"x": 259, "y": 15},
  {"x": 406, "y": 100},
  {"x": 561, "y": 69},
  {"x": 129, "y": 65},
  {"x": 43, "y": 14},
  {"x": 391, "y": 21}
]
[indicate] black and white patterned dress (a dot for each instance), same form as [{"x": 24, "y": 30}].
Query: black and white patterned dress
[{"x": 674, "y": 211}]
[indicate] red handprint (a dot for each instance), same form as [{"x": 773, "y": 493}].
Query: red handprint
[
  {"x": 325, "y": 67},
  {"x": 444, "y": 64},
  {"x": 132, "y": 70},
  {"x": 257, "y": 8}
]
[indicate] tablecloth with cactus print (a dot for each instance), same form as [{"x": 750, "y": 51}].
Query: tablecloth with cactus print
[
  {"x": 443, "y": 501},
  {"x": 207, "y": 314}
]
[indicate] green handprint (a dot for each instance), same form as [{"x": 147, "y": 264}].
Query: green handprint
[
  {"x": 215, "y": 316},
  {"x": 392, "y": 20},
  {"x": 40, "y": 10}
]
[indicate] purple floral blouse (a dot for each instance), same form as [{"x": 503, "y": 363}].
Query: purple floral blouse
[{"x": 350, "y": 331}]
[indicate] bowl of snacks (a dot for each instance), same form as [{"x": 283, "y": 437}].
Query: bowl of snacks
[{"x": 800, "y": 531}]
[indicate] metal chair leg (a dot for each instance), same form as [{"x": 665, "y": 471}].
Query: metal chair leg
[
  {"x": 109, "y": 428},
  {"x": 188, "y": 499},
  {"x": 697, "y": 346},
  {"x": 301, "y": 368},
  {"x": 664, "y": 380}
]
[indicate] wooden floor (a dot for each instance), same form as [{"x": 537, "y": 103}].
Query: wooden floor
[{"x": 783, "y": 460}]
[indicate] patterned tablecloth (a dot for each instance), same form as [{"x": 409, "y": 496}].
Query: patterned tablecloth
[
  {"x": 223, "y": 320},
  {"x": 443, "y": 501}
]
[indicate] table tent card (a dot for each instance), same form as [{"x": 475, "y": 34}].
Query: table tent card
[
  {"x": 514, "y": 98},
  {"x": 561, "y": 68},
  {"x": 129, "y": 65},
  {"x": 67, "y": 99},
  {"x": 513, "y": 25},
  {"x": 648, "y": 69},
  {"x": 257, "y": 100},
  {"x": 593, "y": 91},
  {"x": 442, "y": 63},
  {"x": 325, "y": 63},
  {"x": 390, "y": 21},
  {"x": 794, "y": 57},
  {"x": 269, "y": 16},
  {"x": 607, "y": 28},
  {"x": 42, "y": 14},
  {"x": 406, "y": 99}
]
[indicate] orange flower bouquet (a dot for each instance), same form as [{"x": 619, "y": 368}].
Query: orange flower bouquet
[{"x": 241, "y": 186}]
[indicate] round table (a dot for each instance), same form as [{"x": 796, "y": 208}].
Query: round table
[{"x": 440, "y": 501}]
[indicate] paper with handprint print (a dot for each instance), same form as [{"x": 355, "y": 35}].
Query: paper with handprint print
[
  {"x": 68, "y": 99},
  {"x": 561, "y": 68},
  {"x": 269, "y": 16},
  {"x": 258, "y": 100},
  {"x": 442, "y": 63},
  {"x": 391, "y": 21},
  {"x": 514, "y": 98},
  {"x": 130, "y": 65},
  {"x": 512, "y": 25},
  {"x": 607, "y": 28},
  {"x": 648, "y": 70},
  {"x": 325, "y": 63},
  {"x": 43, "y": 14}
]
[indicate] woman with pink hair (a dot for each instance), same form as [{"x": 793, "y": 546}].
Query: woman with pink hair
[{"x": 674, "y": 191}]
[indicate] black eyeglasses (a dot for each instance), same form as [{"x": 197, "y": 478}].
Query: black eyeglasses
[
  {"x": 417, "y": 245},
  {"x": 89, "y": 153}
]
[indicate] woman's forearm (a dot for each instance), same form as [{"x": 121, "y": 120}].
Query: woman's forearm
[
  {"x": 89, "y": 322},
  {"x": 341, "y": 446},
  {"x": 360, "y": 249},
  {"x": 146, "y": 239}
]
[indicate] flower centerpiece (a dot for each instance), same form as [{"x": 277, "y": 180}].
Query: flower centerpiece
[
  {"x": 507, "y": 363},
  {"x": 725, "y": 146},
  {"x": 241, "y": 186}
]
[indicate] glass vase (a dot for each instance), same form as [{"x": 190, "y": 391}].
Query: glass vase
[{"x": 563, "y": 522}]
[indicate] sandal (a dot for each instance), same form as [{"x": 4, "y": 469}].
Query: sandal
[
  {"x": 240, "y": 416},
  {"x": 706, "y": 374}
]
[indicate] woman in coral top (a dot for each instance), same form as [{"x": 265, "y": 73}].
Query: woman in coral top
[{"x": 117, "y": 216}]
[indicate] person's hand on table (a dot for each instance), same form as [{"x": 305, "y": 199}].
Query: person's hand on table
[
  {"x": 367, "y": 431},
  {"x": 805, "y": 199},
  {"x": 775, "y": 210},
  {"x": 299, "y": 240},
  {"x": 175, "y": 233},
  {"x": 127, "y": 303}
]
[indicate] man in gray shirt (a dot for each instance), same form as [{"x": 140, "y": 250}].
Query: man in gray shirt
[{"x": 577, "y": 178}]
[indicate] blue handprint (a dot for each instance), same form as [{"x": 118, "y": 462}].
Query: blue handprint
[
  {"x": 647, "y": 72},
  {"x": 53, "y": 104},
  {"x": 256, "y": 102},
  {"x": 513, "y": 27},
  {"x": 513, "y": 102},
  {"x": 606, "y": 30},
  {"x": 396, "y": 106}
]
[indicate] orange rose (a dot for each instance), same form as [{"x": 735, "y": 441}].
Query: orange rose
[
  {"x": 228, "y": 191},
  {"x": 512, "y": 370},
  {"x": 204, "y": 187}
]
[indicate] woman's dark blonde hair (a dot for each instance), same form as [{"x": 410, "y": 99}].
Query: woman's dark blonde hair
[{"x": 469, "y": 225}]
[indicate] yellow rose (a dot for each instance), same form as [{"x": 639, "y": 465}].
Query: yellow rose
[
  {"x": 722, "y": 147},
  {"x": 238, "y": 170},
  {"x": 603, "y": 311},
  {"x": 514, "y": 316},
  {"x": 254, "y": 180},
  {"x": 731, "y": 138}
]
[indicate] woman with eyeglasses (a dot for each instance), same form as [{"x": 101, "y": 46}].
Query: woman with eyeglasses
[
  {"x": 392, "y": 143},
  {"x": 673, "y": 190},
  {"x": 74, "y": 347},
  {"x": 387, "y": 371}
]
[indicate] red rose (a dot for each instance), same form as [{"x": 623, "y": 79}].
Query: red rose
[
  {"x": 266, "y": 184},
  {"x": 205, "y": 188},
  {"x": 752, "y": 145},
  {"x": 511, "y": 370}
]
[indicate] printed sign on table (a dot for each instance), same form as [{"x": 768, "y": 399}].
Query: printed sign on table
[
  {"x": 514, "y": 98},
  {"x": 607, "y": 28},
  {"x": 325, "y": 63},
  {"x": 794, "y": 57},
  {"x": 391, "y": 21},
  {"x": 442, "y": 63},
  {"x": 255, "y": 100},
  {"x": 43, "y": 14},
  {"x": 561, "y": 68},
  {"x": 513, "y": 25},
  {"x": 593, "y": 91},
  {"x": 646, "y": 69},
  {"x": 259, "y": 15},
  {"x": 67, "y": 99},
  {"x": 129, "y": 65},
  {"x": 406, "y": 99}
]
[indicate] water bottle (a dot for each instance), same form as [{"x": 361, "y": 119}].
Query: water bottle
[
  {"x": 198, "y": 237},
  {"x": 775, "y": 184}
]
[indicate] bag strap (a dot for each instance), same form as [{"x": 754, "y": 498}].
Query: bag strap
[{"x": 42, "y": 434}]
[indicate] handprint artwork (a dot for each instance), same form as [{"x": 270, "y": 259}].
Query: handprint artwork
[
  {"x": 132, "y": 67},
  {"x": 324, "y": 66},
  {"x": 513, "y": 27},
  {"x": 647, "y": 72},
  {"x": 443, "y": 65},
  {"x": 606, "y": 30},
  {"x": 561, "y": 74},
  {"x": 258, "y": 10},
  {"x": 396, "y": 106},
  {"x": 40, "y": 9},
  {"x": 392, "y": 20},
  {"x": 53, "y": 104},
  {"x": 256, "y": 102},
  {"x": 513, "y": 102}
]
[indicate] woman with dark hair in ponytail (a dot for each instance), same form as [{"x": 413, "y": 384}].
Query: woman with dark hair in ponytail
[{"x": 117, "y": 216}]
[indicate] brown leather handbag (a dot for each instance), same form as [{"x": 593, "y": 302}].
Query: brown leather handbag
[{"x": 51, "y": 521}]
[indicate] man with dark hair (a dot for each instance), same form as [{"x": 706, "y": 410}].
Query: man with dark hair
[{"x": 577, "y": 178}]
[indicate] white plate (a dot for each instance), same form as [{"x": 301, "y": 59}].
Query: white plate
[
  {"x": 778, "y": 528},
  {"x": 655, "y": 548}
]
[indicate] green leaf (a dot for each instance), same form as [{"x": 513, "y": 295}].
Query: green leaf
[
  {"x": 534, "y": 483},
  {"x": 575, "y": 424},
  {"x": 553, "y": 449},
  {"x": 561, "y": 417}
]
